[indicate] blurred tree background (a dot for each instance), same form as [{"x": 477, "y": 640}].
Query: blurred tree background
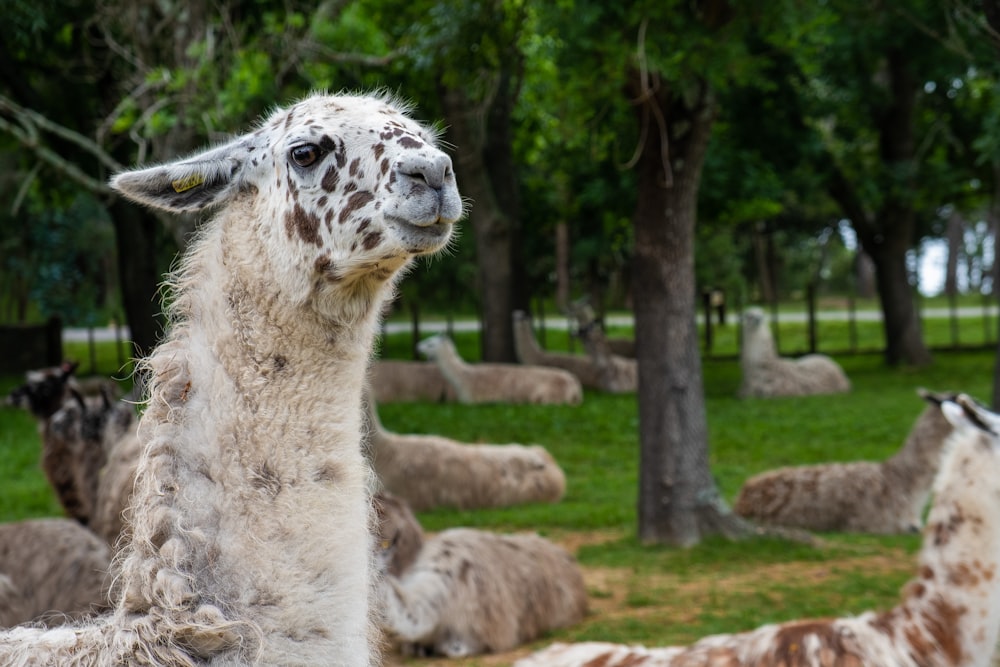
[{"x": 637, "y": 155}]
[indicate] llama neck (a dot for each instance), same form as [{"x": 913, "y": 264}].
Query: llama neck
[
  {"x": 951, "y": 612},
  {"x": 452, "y": 367},
  {"x": 254, "y": 416},
  {"x": 915, "y": 464},
  {"x": 758, "y": 347}
]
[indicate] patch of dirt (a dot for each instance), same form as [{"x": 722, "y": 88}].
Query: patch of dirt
[{"x": 669, "y": 598}]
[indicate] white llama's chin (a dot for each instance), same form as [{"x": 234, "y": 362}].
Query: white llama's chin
[{"x": 420, "y": 239}]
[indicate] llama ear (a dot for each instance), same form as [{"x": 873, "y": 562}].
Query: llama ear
[
  {"x": 189, "y": 184},
  {"x": 965, "y": 412}
]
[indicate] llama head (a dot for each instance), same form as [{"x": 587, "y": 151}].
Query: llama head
[
  {"x": 432, "y": 346},
  {"x": 333, "y": 193},
  {"x": 400, "y": 537},
  {"x": 45, "y": 389}
]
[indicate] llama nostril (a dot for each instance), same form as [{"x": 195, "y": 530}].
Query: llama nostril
[{"x": 433, "y": 172}]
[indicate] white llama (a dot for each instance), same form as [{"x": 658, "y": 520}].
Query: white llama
[
  {"x": 430, "y": 471},
  {"x": 767, "y": 375},
  {"x": 498, "y": 382},
  {"x": 250, "y": 539},
  {"x": 949, "y": 615}
]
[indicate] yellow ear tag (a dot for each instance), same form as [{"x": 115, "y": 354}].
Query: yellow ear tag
[{"x": 184, "y": 184}]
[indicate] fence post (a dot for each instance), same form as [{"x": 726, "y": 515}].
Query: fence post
[
  {"x": 953, "y": 318},
  {"x": 414, "y": 328},
  {"x": 811, "y": 306},
  {"x": 706, "y": 302},
  {"x": 852, "y": 324}
]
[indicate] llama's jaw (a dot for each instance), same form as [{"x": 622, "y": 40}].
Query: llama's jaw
[{"x": 420, "y": 238}]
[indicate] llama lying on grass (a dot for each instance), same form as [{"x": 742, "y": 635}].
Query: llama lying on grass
[
  {"x": 249, "y": 539},
  {"x": 430, "y": 471},
  {"x": 949, "y": 615},
  {"x": 618, "y": 374},
  {"x": 859, "y": 496},
  {"x": 392, "y": 380},
  {"x": 766, "y": 375},
  {"x": 52, "y": 570},
  {"x": 531, "y": 353},
  {"x": 465, "y": 592},
  {"x": 500, "y": 383}
]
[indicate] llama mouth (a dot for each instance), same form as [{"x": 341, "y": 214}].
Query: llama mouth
[{"x": 421, "y": 237}]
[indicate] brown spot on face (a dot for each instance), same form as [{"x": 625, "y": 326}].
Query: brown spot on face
[
  {"x": 363, "y": 226},
  {"x": 350, "y": 187},
  {"x": 384, "y": 167},
  {"x": 371, "y": 240},
  {"x": 326, "y": 143},
  {"x": 355, "y": 202},
  {"x": 305, "y": 224},
  {"x": 321, "y": 201},
  {"x": 355, "y": 167},
  {"x": 288, "y": 119},
  {"x": 328, "y": 218},
  {"x": 378, "y": 149},
  {"x": 926, "y": 572},
  {"x": 330, "y": 179},
  {"x": 410, "y": 142}
]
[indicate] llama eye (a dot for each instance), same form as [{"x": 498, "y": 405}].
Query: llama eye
[{"x": 305, "y": 155}]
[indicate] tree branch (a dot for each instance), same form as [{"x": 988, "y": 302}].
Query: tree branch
[
  {"x": 30, "y": 140},
  {"x": 32, "y": 119}
]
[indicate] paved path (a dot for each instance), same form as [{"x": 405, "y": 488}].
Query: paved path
[{"x": 558, "y": 322}]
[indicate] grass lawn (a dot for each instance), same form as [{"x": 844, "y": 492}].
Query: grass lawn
[{"x": 656, "y": 595}]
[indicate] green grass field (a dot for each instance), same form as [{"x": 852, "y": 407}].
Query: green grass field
[{"x": 654, "y": 595}]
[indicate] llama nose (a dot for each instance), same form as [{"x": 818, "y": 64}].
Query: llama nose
[{"x": 434, "y": 171}]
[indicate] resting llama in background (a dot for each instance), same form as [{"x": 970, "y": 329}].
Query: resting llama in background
[
  {"x": 465, "y": 591},
  {"x": 51, "y": 570},
  {"x": 949, "y": 615},
  {"x": 430, "y": 471},
  {"x": 504, "y": 383},
  {"x": 529, "y": 352},
  {"x": 397, "y": 380},
  {"x": 249, "y": 538},
  {"x": 765, "y": 374},
  {"x": 859, "y": 496},
  {"x": 619, "y": 374},
  {"x": 44, "y": 390}
]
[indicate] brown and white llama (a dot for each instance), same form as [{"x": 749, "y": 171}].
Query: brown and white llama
[
  {"x": 766, "y": 375},
  {"x": 855, "y": 496},
  {"x": 949, "y": 615},
  {"x": 250, "y": 530},
  {"x": 464, "y": 591}
]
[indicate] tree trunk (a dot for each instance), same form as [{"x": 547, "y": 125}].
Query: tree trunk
[
  {"x": 678, "y": 500},
  {"x": 138, "y": 272},
  {"x": 765, "y": 273},
  {"x": 954, "y": 235},
  {"x": 493, "y": 230},
  {"x": 888, "y": 234},
  {"x": 562, "y": 265}
]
